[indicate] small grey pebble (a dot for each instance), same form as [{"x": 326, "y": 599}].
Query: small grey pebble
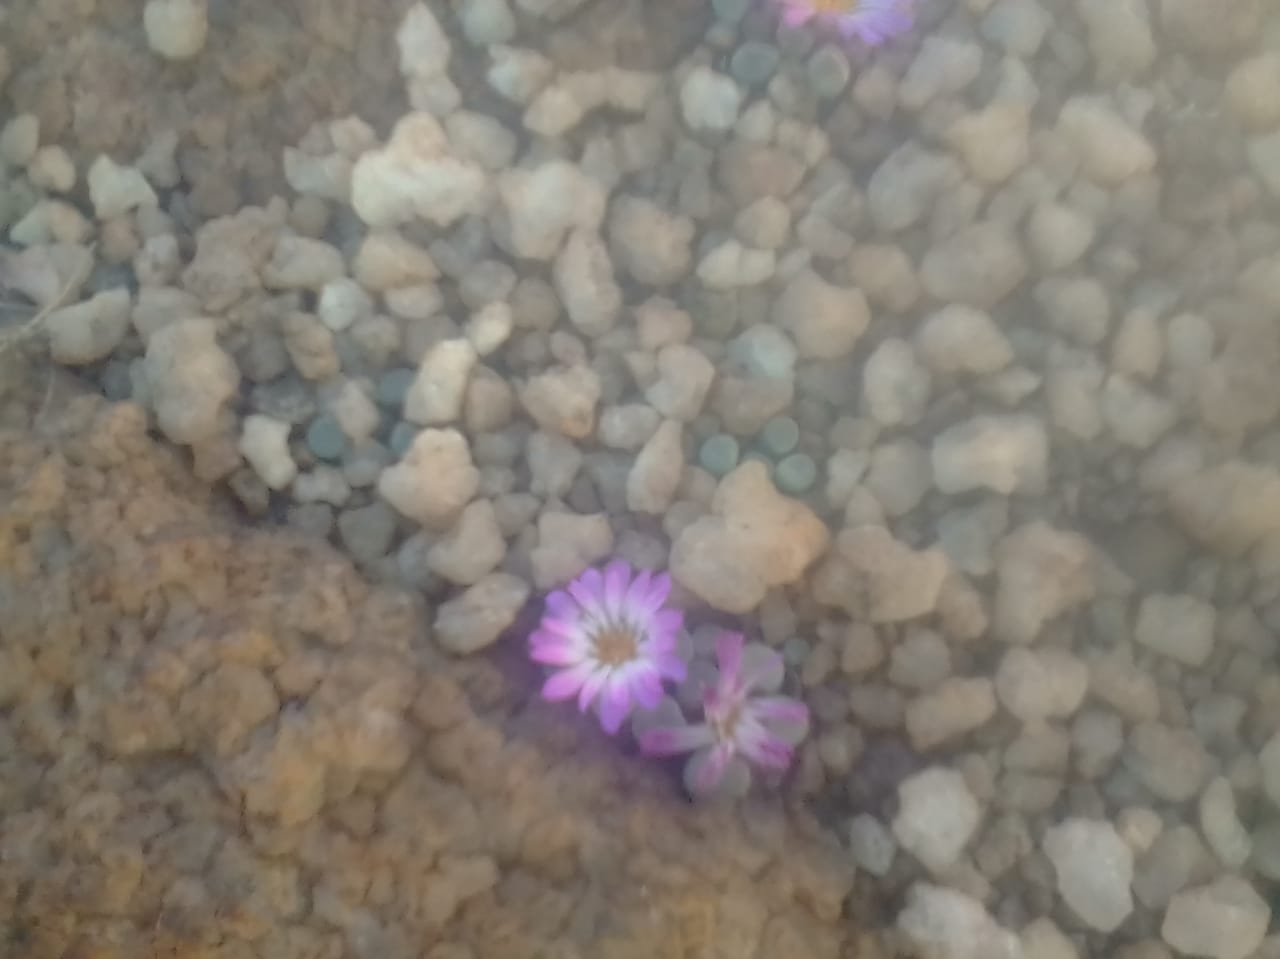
[
  {"x": 117, "y": 384},
  {"x": 392, "y": 387},
  {"x": 717, "y": 316},
  {"x": 730, "y": 11},
  {"x": 325, "y": 438},
  {"x": 719, "y": 454},
  {"x": 794, "y": 41},
  {"x": 780, "y": 436},
  {"x": 362, "y": 466},
  {"x": 1266, "y": 850},
  {"x": 401, "y": 438},
  {"x": 286, "y": 399},
  {"x": 315, "y": 519},
  {"x": 829, "y": 72},
  {"x": 795, "y": 651},
  {"x": 367, "y": 531},
  {"x": 796, "y": 474},
  {"x": 753, "y": 64}
]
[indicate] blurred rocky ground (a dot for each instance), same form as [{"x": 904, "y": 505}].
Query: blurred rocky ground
[{"x": 947, "y": 369}]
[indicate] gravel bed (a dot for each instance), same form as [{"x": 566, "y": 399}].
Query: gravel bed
[{"x": 946, "y": 369}]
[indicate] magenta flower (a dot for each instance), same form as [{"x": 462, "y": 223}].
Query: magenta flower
[
  {"x": 612, "y": 641},
  {"x": 740, "y": 729},
  {"x": 871, "y": 21}
]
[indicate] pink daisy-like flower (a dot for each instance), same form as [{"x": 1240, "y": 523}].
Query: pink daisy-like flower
[
  {"x": 739, "y": 726},
  {"x": 612, "y": 641},
  {"x": 871, "y": 21}
]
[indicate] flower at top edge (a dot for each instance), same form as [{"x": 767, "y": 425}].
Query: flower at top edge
[
  {"x": 611, "y": 640},
  {"x": 871, "y": 21},
  {"x": 738, "y": 724}
]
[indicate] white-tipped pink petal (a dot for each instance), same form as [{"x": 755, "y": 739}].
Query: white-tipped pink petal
[
  {"x": 646, "y": 686},
  {"x": 866, "y": 32},
  {"x": 591, "y": 686},
  {"x": 545, "y": 637},
  {"x": 565, "y": 629},
  {"x": 637, "y": 602},
  {"x": 780, "y": 713},
  {"x": 615, "y": 704},
  {"x": 658, "y": 644},
  {"x": 706, "y": 768},
  {"x": 555, "y": 652},
  {"x": 561, "y": 605},
  {"x": 764, "y": 750},
  {"x": 673, "y": 740},
  {"x": 667, "y": 622},
  {"x": 588, "y": 589},
  {"x": 671, "y": 666},
  {"x": 729, "y": 657},
  {"x": 566, "y": 683},
  {"x": 617, "y": 578}
]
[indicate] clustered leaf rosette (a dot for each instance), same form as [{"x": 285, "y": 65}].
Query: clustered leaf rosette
[
  {"x": 872, "y": 21},
  {"x": 612, "y": 643}
]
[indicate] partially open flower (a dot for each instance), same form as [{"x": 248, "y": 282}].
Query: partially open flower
[
  {"x": 613, "y": 641},
  {"x": 741, "y": 729},
  {"x": 871, "y": 21}
]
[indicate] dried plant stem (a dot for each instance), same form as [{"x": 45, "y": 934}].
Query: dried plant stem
[{"x": 29, "y": 328}]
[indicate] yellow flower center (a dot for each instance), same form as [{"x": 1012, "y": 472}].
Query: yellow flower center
[
  {"x": 834, "y": 6},
  {"x": 725, "y": 726},
  {"x": 615, "y": 645}
]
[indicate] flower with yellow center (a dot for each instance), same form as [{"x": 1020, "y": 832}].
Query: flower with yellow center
[
  {"x": 871, "y": 21},
  {"x": 612, "y": 640}
]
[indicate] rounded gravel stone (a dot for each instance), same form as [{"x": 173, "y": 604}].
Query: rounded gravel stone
[
  {"x": 730, "y": 11},
  {"x": 829, "y": 72},
  {"x": 753, "y": 64},
  {"x": 402, "y": 435},
  {"x": 1266, "y": 850},
  {"x": 393, "y": 386},
  {"x": 794, "y": 41},
  {"x": 796, "y": 474},
  {"x": 325, "y": 438},
  {"x": 719, "y": 454},
  {"x": 795, "y": 651},
  {"x": 780, "y": 436}
]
